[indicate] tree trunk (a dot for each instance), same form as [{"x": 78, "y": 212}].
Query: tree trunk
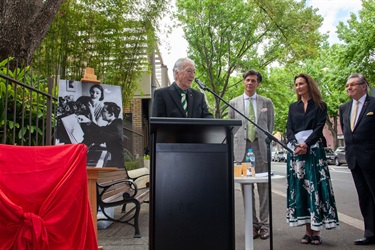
[
  {"x": 332, "y": 126},
  {"x": 24, "y": 23}
]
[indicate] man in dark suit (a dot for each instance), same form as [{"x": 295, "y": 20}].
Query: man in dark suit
[
  {"x": 357, "y": 119},
  {"x": 111, "y": 134},
  {"x": 178, "y": 99}
]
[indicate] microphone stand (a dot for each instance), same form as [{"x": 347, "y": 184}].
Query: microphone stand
[{"x": 268, "y": 140}]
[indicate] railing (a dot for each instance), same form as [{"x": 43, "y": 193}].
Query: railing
[
  {"x": 27, "y": 109},
  {"x": 134, "y": 148}
]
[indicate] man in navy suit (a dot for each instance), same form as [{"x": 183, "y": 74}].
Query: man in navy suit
[
  {"x": 167, "y": 100},
  {"x": 357, "y": 118}
]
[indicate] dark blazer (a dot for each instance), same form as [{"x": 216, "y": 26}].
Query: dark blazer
[
  {"x": 359, "y": 144},
  {"x": 112, "y": 135},
  {"x": 167, "y": 103}
]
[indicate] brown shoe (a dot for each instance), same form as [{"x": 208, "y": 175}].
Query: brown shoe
[
  {"x": 255, "y": 232},
  {"x": 264, "y": 233}
]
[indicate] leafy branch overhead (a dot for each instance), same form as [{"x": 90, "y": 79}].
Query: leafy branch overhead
[
  {"x": 228, "y": 38},
  {"x": 114, "y": 37}
]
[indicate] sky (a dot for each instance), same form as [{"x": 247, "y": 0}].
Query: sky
[{"x": 333, "y": 11}]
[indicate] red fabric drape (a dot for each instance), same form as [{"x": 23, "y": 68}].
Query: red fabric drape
[{"x": 44, "y": 198}]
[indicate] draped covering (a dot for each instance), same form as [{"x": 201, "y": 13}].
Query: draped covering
[{"x": 44, "y": 198}]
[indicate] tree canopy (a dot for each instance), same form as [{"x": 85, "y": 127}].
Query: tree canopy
[
  {"x": 358, "y": 36},
  {"x": 114, "y": 37},
  {"x": 228, "y": 38}
]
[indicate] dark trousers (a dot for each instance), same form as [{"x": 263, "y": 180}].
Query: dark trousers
[{"x": 364, "y": 180}]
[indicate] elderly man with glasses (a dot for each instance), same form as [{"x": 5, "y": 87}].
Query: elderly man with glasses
[
  {"x": 357, "y": 119},
  {"x": 179, "y": 100}
]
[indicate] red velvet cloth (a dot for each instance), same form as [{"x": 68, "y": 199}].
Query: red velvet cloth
[{"x": 44, "y": 198}]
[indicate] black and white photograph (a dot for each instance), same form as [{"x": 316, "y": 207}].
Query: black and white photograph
[
  {"x": 70, "y": 86},
  {"x": 91, "y": 113}
]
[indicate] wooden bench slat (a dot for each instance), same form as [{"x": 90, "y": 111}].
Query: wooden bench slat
[{"x": 112, "y": 187}]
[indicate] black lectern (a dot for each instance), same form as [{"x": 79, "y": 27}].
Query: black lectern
[{"x": 192, "y": 187}]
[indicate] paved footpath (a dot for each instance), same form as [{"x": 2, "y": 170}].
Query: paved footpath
[{"x": 119, "y": 236}]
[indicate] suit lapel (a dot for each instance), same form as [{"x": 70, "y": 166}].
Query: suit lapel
[
  {"x": 176, "y": 98},
  {"x": 347, "y": 114},
  {"x": 190, "y": 99},
  {"x": 259, "y": 106},
  {"x": 363, "y": 111},
  {"x": 241, "y": 107}
]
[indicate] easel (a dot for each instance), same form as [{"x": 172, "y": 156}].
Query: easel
[
  {"x": 93, "y": 173},
  {"x": 89, "y": 76}
]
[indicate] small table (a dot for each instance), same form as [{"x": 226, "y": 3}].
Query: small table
[{"x": 246, "y": 186}]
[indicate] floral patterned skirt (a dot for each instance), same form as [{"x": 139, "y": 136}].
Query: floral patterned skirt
[{"x": 310, "y": 197}]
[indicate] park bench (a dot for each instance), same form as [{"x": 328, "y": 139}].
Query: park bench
[{"x": 125, "y": 190}]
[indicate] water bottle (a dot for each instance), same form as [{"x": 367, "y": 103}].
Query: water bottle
[{"x": 250, "y": 158}]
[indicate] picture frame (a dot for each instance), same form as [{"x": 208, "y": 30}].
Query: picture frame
[
  {"x": 74, "y": 97},
  {"x": 70, "y": 86}
]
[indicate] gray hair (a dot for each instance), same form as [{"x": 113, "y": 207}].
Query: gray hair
[{"x": 178, "y": 65}]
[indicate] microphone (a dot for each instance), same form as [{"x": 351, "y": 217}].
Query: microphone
[{"x": 201, "y": 84}]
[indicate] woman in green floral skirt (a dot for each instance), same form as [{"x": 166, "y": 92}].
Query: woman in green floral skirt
[{"x": 310, "y": 197}]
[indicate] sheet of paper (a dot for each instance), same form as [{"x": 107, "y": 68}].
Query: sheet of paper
[{"x": 73, "y": 128}]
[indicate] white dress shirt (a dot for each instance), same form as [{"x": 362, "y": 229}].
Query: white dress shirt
[{"x": 361, "y": 101}]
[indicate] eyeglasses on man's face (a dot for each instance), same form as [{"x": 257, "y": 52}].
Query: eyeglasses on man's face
[
  {"x": 190, "y": 71},
  {"x": 353, "y": 84}
]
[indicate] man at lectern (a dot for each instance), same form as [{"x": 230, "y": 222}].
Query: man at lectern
[
  {"x": 178, "y": 99},
  {"x": 260, "y": 110}
]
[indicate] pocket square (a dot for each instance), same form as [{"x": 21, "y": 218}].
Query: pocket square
[
  {"x": 370, "y": 113},
  {"x": 264, "y": 110}
]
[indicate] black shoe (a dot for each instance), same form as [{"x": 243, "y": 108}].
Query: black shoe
[
  {"x": 255, "y": 232},
  {"x": 264, "y": 233},
  {"x": 365, "y": 241}
]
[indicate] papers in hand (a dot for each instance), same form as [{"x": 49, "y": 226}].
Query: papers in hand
[{"x": 300, "y": 137}]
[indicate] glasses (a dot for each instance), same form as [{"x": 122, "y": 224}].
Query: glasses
[
  {"x": 353, "y": 84},
  {"x": 190, "y": 71}
]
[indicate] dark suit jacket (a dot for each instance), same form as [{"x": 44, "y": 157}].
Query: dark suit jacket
[
  {"x": 359, "y": 144},
  {"x": 167, "y": 103},
  {"x": 112, "y": 135}
]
